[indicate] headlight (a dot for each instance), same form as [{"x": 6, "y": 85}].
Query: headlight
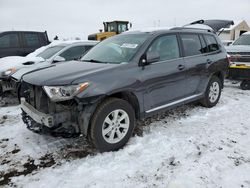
[
  {"x": 9, "y": 72},
  {"x": 62, "y": 93}
]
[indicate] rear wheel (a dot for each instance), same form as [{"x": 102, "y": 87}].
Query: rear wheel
[
  {"x": 245, "y": 85},
  {"x": 213, "y": 92},
  {"x": 112, "y": 125}
]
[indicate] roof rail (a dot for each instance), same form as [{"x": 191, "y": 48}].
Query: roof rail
[{"x": 192, "y": 28}]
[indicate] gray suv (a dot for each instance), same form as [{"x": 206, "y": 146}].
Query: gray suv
[{"x": 123, "y": 79}]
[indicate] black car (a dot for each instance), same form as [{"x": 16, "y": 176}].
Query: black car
[
  {"x": 21, "y": 43},
  {"x": 123, "y": 79}
]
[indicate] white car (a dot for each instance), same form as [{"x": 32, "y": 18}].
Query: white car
[
  {"x": 239, "y": 51},
  {"x": 43, "y": 57}
]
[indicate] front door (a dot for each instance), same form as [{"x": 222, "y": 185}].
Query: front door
[{"x": 165, "y": 79}]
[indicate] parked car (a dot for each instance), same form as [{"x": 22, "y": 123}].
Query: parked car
[
  {"x": 239, "y": 51},
  {"x": 21, "y": 43},
  {"x": 53, "y": 53},
  {"x": 122, "y": 79},
  {"x": 227, "y": 42}
]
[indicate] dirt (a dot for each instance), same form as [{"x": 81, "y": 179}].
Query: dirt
[
  {"x": 3, "y": 119},
  {"x": 180, "y": 112},
  {"x": 74, "y": 149},
  {"x": 8, "y": 100},
  {"x": 46, "y": 161}
]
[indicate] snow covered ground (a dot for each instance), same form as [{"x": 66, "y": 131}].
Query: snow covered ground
[{"x": 189, "y": 147}]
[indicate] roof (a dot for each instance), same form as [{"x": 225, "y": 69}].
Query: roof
[
  {"x": 158, "y": 30},
  {"x": 118, "y": 21},
  {"x": 70, "y": 42},
  {"x": 199, "y": 25},
  {"x": 22, "y": 31}
]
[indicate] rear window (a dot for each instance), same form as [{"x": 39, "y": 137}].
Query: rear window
[
  {"x": 9, "y": 41},
  {"x": 31, "y": 40},
  {"x": 191, "y": 44},
  {"x": 204, "y": 48},
  {"x": 211, "y": 43}
]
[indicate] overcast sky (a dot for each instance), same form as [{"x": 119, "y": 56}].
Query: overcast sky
[{"x": 78, "y": 18}]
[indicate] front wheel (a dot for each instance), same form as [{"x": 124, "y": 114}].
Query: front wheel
[
  {"x": 213, "y": 92},
  {"x": 245, "y": 85},
  {"x": 112, "y": 125}
]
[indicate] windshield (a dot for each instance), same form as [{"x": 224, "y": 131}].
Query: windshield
[
  {"x": 49, "y": 52},
  {"x": 117, "y": 49},
  {"x": 243, "y": 40}
]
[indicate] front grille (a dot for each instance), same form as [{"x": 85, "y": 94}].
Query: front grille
[
  {"x": 27, "y": 91},
  {"x": 240, "y": 56},
  {"x": 240, "y": 53},
  {"x": 35, "y": 96}
]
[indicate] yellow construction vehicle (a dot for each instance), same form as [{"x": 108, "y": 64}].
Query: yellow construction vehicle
[{"x": 110, "y": 29}]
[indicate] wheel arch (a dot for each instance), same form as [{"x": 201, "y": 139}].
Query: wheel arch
[
  {"x": 131, "y": 98},
  {"x": 220, "y": 75},
  {"x": 87, "y": 114}
]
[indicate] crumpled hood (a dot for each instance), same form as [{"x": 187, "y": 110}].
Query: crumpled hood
[
  {"x": 16, "y": 62},
  {"x": 65, "y": 73},
  {"x": 238, "y": 48}
]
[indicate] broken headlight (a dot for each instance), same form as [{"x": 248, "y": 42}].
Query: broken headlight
[{"x": 62, "y": 93}]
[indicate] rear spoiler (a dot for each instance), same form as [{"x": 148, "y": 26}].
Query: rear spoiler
[{"x": 216, "y": 25}]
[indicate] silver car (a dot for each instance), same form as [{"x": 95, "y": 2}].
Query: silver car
[
  {"x": 239, "y": 51},
  {"x": 11, "y": 73}
]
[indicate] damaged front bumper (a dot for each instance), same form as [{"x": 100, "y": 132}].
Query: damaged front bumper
[
  {"x": 39, "y": 113},
  {"x": 58, "y": 124},
  {"x": 39, "y": 117}
]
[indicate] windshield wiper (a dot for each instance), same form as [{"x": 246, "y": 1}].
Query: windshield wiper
[{"x": 94, "y": 61}]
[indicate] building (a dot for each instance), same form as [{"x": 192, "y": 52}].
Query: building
[{"x": 235, "y": 31}]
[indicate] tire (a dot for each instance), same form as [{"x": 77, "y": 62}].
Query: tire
[
  {"x": 213, "y": 92},
  {"x": 108, "y": 133},
  {"x": 245, "y": 85},
  {"x": 1, "y": 90}
]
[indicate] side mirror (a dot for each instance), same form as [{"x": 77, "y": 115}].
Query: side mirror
[
  {"x": 58, "y": 59},
  {"x": 151, "y": 57}
]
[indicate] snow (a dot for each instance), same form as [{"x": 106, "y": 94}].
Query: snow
[{"x": 190, "y": 146}]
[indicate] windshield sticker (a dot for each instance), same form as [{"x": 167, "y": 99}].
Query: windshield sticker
[{"x": 127, "y": 45}]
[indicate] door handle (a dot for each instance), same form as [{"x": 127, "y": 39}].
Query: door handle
[
  {"x": 209, "y": 61},
  {"x": 181, "y": 67}
]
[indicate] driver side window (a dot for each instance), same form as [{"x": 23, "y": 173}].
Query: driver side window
[{"x": 167, "y": 47}]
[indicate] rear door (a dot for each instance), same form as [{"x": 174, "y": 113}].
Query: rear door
[
  {"x": 165, "y": 79},
  {"x": 9, "y": 45},
  {"x": 194, "y": 49}
]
